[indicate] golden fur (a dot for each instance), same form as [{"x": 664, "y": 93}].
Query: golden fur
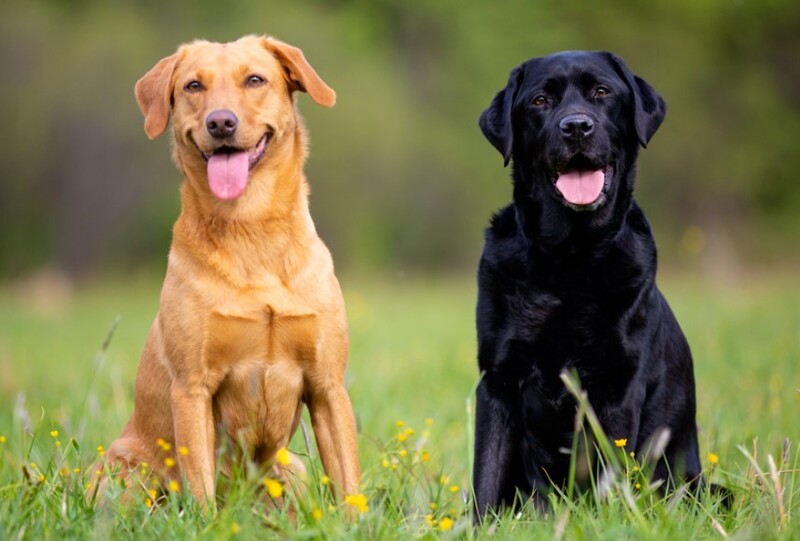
[{"x": 251, "y": 322}]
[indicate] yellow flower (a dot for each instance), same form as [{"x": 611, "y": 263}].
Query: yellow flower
[
  {"x": 424, "y": 456},
  {"x": 428, "y": 421},
  {"x": 100, "y": 450},
  {"x": 316, "y": 514},
  {"x": 274, "y": 488},
  {"x": 76, "y": 470},
  {"x": 2, "y": 438},
  {"x": 409, "y": 431},
  {"x": 282, "y": 456},
  {"x": 174, "y": 486},
  {"x": 235, "y": 528},
  {"x": 152, "y": 493},
  {"x": 621, "y": 442},
  {"x": 33, "y": 465},
  {"x": 183, "y": 450},
  {"x": 325, "y": 480},
  {"x": 385, "y": 463},
  {"x": 400, "y": 424},
  {"x": 429, "y": 520},
  {"x": 445, "y": 524},
  {"x": 148, "y": 502},
  {"x": 637, "y": 486},
  {"x": 401, "y": 437},
  {"x": 444, "y": 479},
  {"x": 434, "y": 506},
  {"x": 403, "y": 453},
  {"x": 359, "y": 501},
  {"x": 163, "y": 444},
  {"x": 169, "y": 462},
  {"x": 54, "y": 433},
  {"x": 58, "y": 443},
  {"x": 453, "y": 488},
  {"x": 713, "y": 459}
]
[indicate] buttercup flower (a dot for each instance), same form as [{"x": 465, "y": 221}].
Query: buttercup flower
[
  {"x": 359, "y": 501},
  {"x": 445, "y": 524},
  {"x": 713, "y": 459},
  {"x": 174, "y": 486},
  {"x": 282, "y": 456},
  {"x": 274, "y": 488},
  {"x": 621, "y": 442}
]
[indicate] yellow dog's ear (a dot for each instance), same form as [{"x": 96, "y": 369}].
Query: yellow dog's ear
[
  {"x": 300, "y": 74},
  {"x": 154, "y": 95}
]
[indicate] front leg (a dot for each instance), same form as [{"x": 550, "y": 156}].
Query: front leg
[
  {"x": 194, "y": 434},
  {"x": 335, "y": 432},
  {"x": 497, "y": 462}
]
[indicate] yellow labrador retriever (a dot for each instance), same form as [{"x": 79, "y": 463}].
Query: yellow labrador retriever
[{"x": 251, "y": 322}]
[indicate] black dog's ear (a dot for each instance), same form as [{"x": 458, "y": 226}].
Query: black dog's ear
[
  {"x": 649, "y": 107},
  {"x": 495, "y": 121}
]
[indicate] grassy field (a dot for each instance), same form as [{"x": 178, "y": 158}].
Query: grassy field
[{"x": 411, "y": 377}]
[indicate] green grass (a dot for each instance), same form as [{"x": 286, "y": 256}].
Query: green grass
[{"x": 412, "y": 361}]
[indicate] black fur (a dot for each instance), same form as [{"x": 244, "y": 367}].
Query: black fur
[{"x": 564, "y": 286}]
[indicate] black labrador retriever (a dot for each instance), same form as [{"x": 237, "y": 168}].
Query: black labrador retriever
[{"x": 567, "y": 281}]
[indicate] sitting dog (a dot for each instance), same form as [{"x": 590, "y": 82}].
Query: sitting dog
[
  {"x": 567, "y": 282},
  {"x": 251, "y": 322}
]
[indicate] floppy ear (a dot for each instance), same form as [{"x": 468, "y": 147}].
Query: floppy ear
[
  {"x": 495, "y": 121},
  {"x": 154, "y": 95},
  {"x": 300, "y": 74},
  {"x": 649, "y": 107}
]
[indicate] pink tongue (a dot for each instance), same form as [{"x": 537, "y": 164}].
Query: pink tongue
[
  {"x": 581, "y": 187},
  {"x": 227, "y": 174}
]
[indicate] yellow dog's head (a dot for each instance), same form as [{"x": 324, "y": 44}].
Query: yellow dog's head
[{"x": 230, "y": 104}]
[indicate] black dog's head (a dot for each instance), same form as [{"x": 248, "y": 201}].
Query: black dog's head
[{"x": 573, "y": 122}]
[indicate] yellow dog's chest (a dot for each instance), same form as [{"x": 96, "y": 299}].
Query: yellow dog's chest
[{"x": 267, "y": 336}]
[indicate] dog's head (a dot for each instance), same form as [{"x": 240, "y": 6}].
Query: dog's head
[
  {"x": 229, "y": 103},
  {"x": 573, "y": 122}
]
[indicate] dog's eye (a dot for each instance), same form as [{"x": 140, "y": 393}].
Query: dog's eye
[
  {"x": 253, "y": 81},
  {"x": 193, "y": 86},
  {"x": 602, "y": 91},
  {"x": 539, "y": 101}
]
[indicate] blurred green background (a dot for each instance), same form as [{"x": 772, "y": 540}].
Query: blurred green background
[{"x": 401, "y": 177}]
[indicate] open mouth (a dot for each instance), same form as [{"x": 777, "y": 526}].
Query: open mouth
[
  {"x": 229, "y": 167},
  {"x": 582, "y": 183}
]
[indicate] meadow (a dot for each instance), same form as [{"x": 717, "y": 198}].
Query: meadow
[{"x": 67, "y": 366}]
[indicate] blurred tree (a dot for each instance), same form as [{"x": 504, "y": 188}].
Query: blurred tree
[{"x": 400, "y": 174}]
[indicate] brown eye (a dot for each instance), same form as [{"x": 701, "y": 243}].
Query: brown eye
[
  {"x": 539, "y": 101},
  {"x": 193, "y": 86},
  {"x": 602, "y": 91},
  {"x": 253, "y": 81}
]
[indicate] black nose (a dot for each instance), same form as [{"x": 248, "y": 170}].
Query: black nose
[
  {"x": 221, "y": 123},
  {"x": 576, "y": 126}
]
